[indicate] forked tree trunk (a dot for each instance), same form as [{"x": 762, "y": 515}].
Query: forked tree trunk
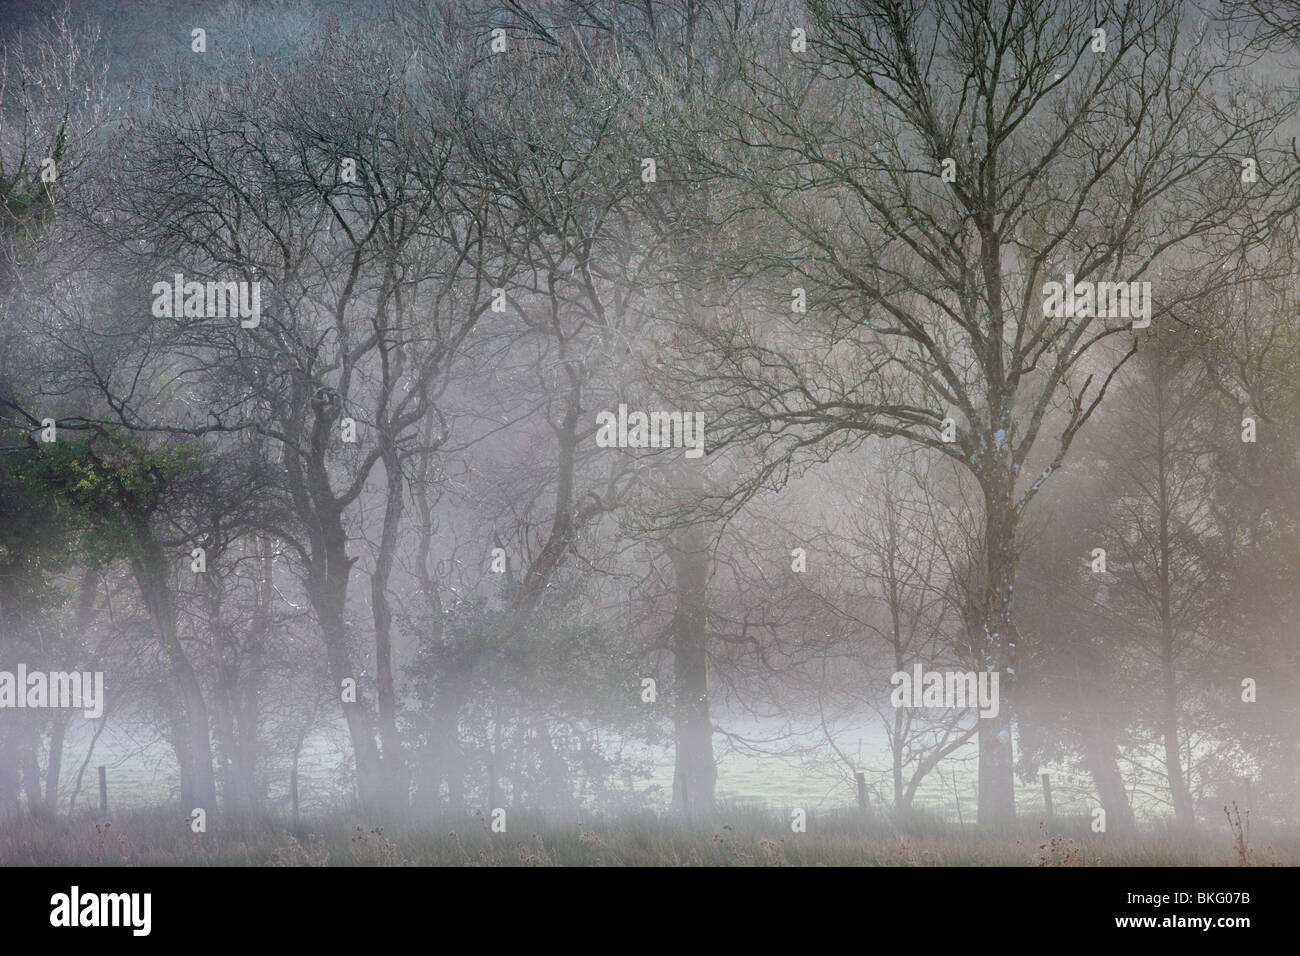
[
  {"x": 193, "y": 735},
  {"x": 328, "y": 588}
]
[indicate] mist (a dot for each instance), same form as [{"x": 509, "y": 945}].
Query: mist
[{"x": 832, "y": 421}]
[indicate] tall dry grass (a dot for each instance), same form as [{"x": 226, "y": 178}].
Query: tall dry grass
[{"x": 740, "y": 836}]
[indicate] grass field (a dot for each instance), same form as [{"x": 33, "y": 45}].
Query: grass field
[{"x": 737, "y": 837}]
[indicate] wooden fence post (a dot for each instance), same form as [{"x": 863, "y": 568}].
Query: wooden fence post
[
  {"x": 293, "y": 794},
  {"x": 1047, "y": 794},
  {"x": 863, "y": 803},
  {"x": 103, "y": 789},
  {"x": 686, "y": 803}
]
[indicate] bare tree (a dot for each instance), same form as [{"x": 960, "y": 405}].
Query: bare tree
[{"x": 907, "y": 175}]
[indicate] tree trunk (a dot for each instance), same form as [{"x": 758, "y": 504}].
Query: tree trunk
[
  {"x": 445, "y": 747},
  {"x": 328, "y": 592},
  {"x": 896, "y": 745},
  {"x": 692, "y": 723},
  {"x": 9, "y": 784},
  {"x": 54, "y": 768},
  {"x": 997, "y": 643},
  {"x": 997, "y": 794},
  {"x": 58, "y": 733},
  {"x": 31, "y": 767},
  {"x": 194, "y": 742},
  {"x": 396, "y": 781},
  {"x": 1100, "y": 759},
  {"x": 1184, "y": 812},
  {"x": 329, "y": 569},
  {"x": 223, "y": 697}
]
